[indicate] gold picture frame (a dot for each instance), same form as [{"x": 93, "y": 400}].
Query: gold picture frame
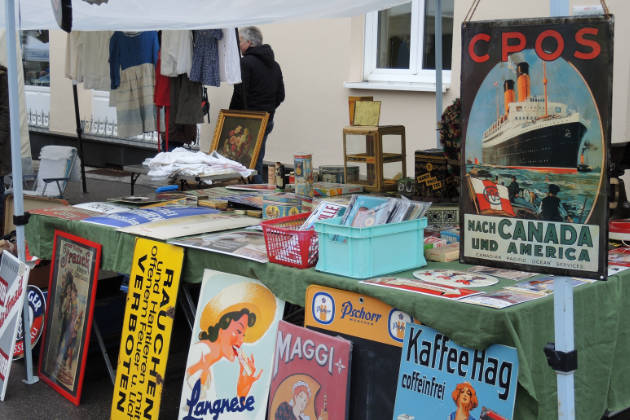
[
  {"x": 367, "y": 113},
  {"x": 239, "y": 134}
]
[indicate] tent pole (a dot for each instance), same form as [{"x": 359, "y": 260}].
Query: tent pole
[
  {"x": 438, "y": 69},
  {"x": 16, "y": 165},
  {"x": 77, "y": 118},
  {"x": 563, "y": 303}
]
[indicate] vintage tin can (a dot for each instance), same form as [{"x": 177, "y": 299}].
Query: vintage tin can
[
  {"x": 303, "y": 168},
  {"x": 280, "y": 205},
  {"x": 334, "y": 174}
]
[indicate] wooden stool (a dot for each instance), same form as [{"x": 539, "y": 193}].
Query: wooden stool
[{"x": 374, "y": 156}]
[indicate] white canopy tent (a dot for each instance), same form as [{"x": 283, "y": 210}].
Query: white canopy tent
[{"x": 142, "y": 15}]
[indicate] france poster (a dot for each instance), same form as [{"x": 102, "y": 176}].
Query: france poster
[
  {"x": 310, "y": 376},
  {"x": 229, "y": 363},
  {"x": 439, "y": 379},
  {"x": 536, "y": 120}
]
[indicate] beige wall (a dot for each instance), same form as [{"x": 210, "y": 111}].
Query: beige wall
[{"x": 318, "y": 56}]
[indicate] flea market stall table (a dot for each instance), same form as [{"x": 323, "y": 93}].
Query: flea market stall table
[{"x": 601, "y": 324}]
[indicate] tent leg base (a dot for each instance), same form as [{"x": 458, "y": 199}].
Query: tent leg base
[{"x": 32, "y": 381}]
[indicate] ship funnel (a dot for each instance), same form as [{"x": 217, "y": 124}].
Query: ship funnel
[
  {"x": 522, "y": 81},
  {"x": 508, "y": 94}
]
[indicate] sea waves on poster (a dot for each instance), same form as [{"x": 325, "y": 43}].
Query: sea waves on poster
[
  {"x": 534, "y": 242},
  {"x": 228, "y": 372},
  {"x": 433, "y": 370}
]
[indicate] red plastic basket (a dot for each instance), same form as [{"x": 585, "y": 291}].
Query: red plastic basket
[{"x": 287, "y": 245}]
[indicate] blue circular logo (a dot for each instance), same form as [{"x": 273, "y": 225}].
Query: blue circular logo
[
  {"x": 323, "y": 308},
  {"x": 37, "y": 311},
  {"x": 396, "y": 323}
]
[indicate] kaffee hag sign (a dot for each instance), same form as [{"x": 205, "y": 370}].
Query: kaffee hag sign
[{"x": 536, "y": 115}]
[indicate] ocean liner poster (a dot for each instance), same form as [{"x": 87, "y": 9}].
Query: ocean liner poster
[{"x": 536, "y": 117}]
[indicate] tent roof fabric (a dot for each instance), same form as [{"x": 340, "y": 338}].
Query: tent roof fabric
[{"x": 144, "y": 15}]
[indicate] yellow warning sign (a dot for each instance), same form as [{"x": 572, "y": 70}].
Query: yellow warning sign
[{"x": 146, "y": 335}]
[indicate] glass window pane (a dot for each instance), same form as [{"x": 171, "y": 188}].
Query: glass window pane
[
  {"x": 428, "y": 50},
  {"x": 394, "y": 30},
  {"x": 35, "y": 48}
]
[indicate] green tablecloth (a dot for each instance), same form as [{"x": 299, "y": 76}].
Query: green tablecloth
[{"x": 602, "y": 317}]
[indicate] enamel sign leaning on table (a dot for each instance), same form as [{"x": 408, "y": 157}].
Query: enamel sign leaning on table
[
  {"x": 13, "y": 281},
  {"x": 439, "y": 379},
  {"x": 230, "y": 359},
  {"x": 147, "y": 326},
  {"x": 536, "y": 121}
]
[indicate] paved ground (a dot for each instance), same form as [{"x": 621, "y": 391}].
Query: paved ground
[{"x": 40, "y": 401}]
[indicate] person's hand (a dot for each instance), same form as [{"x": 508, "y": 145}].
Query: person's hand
[{"x": 245, "y": 381}]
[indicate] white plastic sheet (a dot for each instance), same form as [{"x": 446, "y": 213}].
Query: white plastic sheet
[{"x": 143, "y": 15}]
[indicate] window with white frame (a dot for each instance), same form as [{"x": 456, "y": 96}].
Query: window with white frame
[
  {"x": 36, "y": 65},
  {"x": 400, "y": 43}
]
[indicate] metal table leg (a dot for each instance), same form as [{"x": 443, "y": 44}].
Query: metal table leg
[
  {"x": 101, "y": 344},
  {"x": 134, "y": 178}
]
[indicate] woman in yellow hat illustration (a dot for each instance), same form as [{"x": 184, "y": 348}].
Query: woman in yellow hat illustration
[{"x": 229, "y": 319}]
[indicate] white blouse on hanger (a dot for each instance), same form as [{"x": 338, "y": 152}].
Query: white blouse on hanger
[
  {"x": 87, "y": 58},
  {"x": 177, "y": 51},
  {"x": 229, "y": 57}
]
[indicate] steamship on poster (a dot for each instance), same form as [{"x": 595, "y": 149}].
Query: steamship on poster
[{"x": 534, "y": 133}]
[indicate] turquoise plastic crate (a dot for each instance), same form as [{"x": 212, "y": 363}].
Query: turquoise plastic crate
[{"x": 372, "y": 251}]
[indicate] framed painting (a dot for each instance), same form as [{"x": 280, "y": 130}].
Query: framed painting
[
  {"x": 239, "y": 134},
  {"x": 71, "y": 294}
]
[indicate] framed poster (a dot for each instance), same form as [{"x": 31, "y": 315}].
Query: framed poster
[
  {"x": 70, "y": 303},
  {"x": 536, "y": 119},
  {"x": 13, "y": 280},
  {"x": 238, "y": 135},
  {"x": 230, "y": 359}
]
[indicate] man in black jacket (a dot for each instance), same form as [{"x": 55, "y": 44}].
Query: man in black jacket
[{"x": 262, "y": 87}]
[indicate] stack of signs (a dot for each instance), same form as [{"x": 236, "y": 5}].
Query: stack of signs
[
  {"x": 310, "y": 375},
  {"x": 229, "y": 364},
  {"x": 147, "y": 326},
  {"x": 536, "y": 120},
  {"x": 439, "y": 379},
  {"x": 376, "y": 331},
  {"x": 13, "y": 281}
]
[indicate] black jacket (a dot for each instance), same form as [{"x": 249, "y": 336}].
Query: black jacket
[{"x": 262, "y": 88}]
